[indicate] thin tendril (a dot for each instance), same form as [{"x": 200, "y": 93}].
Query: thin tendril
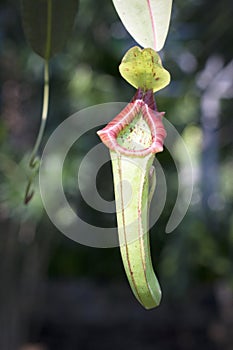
[
  {"x": 44, "y": 114},
  {"x": 34, "y": 162}
]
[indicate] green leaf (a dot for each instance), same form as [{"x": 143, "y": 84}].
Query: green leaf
[
  {"x": 146, "y": 20},
  {"x": 48, "y": 24},
  {"x": 143, "y": 69}
]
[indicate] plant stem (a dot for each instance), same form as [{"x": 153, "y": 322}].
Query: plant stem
[
  {"x": 44, "y": 114},
  {"x": 33, "y": 163}
]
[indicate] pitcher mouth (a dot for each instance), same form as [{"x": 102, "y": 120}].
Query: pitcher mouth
[{"x": 153, "y": 118}]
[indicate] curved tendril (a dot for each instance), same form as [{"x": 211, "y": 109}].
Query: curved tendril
[{"x": 34, "y": 160}]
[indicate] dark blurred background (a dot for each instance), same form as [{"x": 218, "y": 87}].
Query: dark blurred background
[{"x": 58, "y": 295}]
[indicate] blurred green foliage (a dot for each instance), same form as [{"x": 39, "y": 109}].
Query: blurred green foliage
[{"x": 86, "y": 73}]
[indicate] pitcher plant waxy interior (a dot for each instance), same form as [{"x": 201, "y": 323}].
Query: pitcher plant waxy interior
[{"x": 133, "y": 137}]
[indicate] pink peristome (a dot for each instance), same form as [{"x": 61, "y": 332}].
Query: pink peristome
[{"x": 153, "y": 118}]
